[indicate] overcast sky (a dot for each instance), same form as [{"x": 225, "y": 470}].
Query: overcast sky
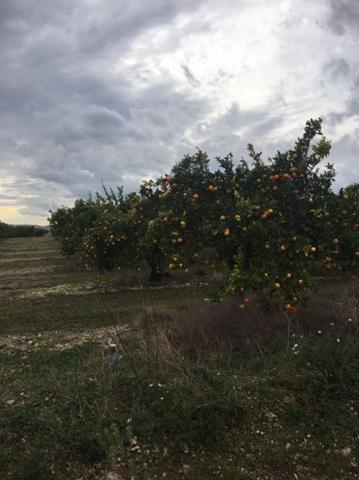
[{"x": 115, "y": 91}]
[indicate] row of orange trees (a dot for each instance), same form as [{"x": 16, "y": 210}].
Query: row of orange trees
[
  {"x": 275, "y": 223},
  {"x": 13, "y": 231}
]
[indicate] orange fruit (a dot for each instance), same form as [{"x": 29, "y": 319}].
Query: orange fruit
[{"x": 289, "y": 308}]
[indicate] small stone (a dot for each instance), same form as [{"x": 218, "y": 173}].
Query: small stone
[
  {"x": 10, "y": 402},
  {"x": 113, "y": 476},
  {"x": 346, "y": 452},
  {"x": 270, "y": 416}
]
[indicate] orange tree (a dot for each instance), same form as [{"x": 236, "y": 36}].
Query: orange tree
[
  {"x": 174, "y": 210},
  {"x": 126, "y": 231},
  {"x": 69, "y": 225},
  {"x": 141, "y": 229},
  {"x": 270, "y": 222},
  {"x": 286, "y": 227},
  {"x": 169, "y": 223},
  {"x": 85, "y": 229},
  {"x": 166, "y": 225},
  {"x": 344, "y": 252},
  {"x": 197, "y": 209},
  {"x": 274, "y": 223},
  {"x": 112, "y": 240}
]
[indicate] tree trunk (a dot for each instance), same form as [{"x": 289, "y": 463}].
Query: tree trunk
[
  {"x": 155, "y": 273},
  {"x": 248, "y": 254}
]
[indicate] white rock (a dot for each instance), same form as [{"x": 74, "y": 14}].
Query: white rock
[
  {"x": 346, "y": 452},
  {"x": 113, "y": 476},
  {"x": 270, "y": 416}
]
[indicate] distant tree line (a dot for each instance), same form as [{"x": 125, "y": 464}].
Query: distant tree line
[{"x": 13, "y": 231}]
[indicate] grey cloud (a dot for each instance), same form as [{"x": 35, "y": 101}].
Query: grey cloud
[
  {"x": 344, "y": 16},
  {"x": 231, "y": 132},
  {"x": 345, "y": 151},
  {"x": 353, "y": 102},
  {"x": 189, "y": 75},
  {"x": 83, "y": 144},
  {"x": 69, "y": 121},
  {"x": 337, "y": 67},
  {"x": 351, "y": 105},
  {"x": 334, "y": 118}
]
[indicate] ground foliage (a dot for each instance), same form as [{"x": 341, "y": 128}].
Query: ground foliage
[{"x": 106, "y": 377}]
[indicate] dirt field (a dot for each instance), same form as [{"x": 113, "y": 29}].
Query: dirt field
[
  {"x": 40, "y": 290},
  {"x": 71, "y": 410}
]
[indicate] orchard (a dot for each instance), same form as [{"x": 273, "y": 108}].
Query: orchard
[
  {"x": 17, "y": 231},
  {"x": 275, "y": 224}
]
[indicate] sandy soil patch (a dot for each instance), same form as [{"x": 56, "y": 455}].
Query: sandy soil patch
[{"x": 26, "y": 271}]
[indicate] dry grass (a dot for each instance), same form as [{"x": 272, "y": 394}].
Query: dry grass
[{"x": 218, "y": 329}]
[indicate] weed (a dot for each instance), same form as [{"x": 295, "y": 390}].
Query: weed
[
  {"x": 33, "y": 469},
  {"x": 186, "y": 409},
  {"x": 328, "y": 372},
  {"x": 111, "y": 442}
]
